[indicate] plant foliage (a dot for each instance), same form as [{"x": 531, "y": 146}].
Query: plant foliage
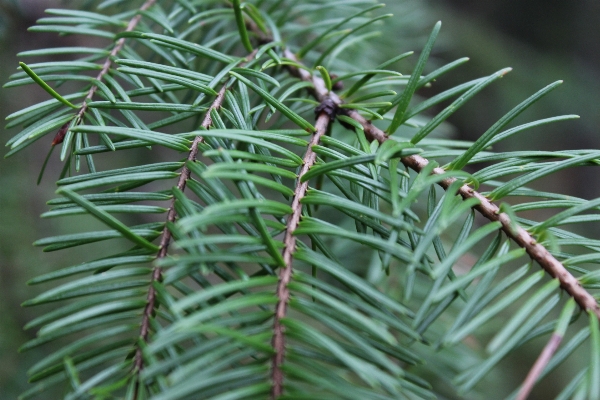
[{"x": 271, "y": 255}]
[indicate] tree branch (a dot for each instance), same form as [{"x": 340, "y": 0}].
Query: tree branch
[
  {"x": 485, "y": 207},
  {"x": 60, "y": 135},
  {"x": 108, "y": 62},
  {"x": 171, "y": 216},
  {"x": 285, "y": 275}
]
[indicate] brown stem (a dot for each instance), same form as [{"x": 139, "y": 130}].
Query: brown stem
[
  {"x": 538, "y": 367},
  {"x": 485, "y": 207},
  {"x": 289, "y": 242}
]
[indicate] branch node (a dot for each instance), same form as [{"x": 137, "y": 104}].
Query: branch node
[{"x": 329, "y": 107}]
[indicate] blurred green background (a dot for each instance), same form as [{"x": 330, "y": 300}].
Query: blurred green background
[{"x": 542, "y": 40}]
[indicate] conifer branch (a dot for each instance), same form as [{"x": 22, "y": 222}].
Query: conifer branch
[
  {"x": 108, "y": 62},
  {"x": 285, "y": 275},
  {"x": 171, "y": 216},
  {"x": 485, "y": 207}
]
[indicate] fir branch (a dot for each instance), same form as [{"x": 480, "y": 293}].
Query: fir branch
[
  {"x": 171, "y": 216},
  {"x": 108, "y": 62},
  {"x": 325, "y": 117},
  {"x": 485, "y": 207}
]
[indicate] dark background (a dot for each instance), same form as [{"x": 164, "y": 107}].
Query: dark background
[{"x": 542, "y": 40}]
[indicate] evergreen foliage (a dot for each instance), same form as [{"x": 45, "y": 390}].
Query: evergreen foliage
[{"x": 273, "y": 256}]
